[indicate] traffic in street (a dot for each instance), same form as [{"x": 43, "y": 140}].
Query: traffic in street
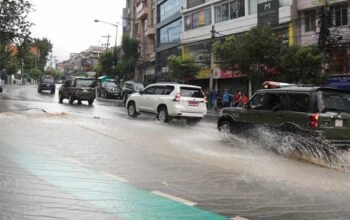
[{"x": 96, "y": 162}]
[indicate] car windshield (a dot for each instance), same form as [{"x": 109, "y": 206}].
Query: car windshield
[
  {"x": 112, "y": 84},
  {"x": 335, "y": 101},
  {"x": 84, "y": 82},
  {"x": 138, "y": 86},
  {"x": 191, "y": 92}
]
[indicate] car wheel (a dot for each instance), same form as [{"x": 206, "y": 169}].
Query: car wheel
[
  {"x": 225, "y": 129},
  {"x": 91, "y": 102},
  {"x": 60, "y": 98},
  {"x": 98, "y": 93},
  {"x": 71, "y": 99},
  {"x": 132, "y": 110},
  {"x": 79, "y": 102},
  {"x": 163, "y": 115},
  {"x": 106, "y": 95},
  {"x": 39, "y": 90},
  {"x": 52, "y": 91}
]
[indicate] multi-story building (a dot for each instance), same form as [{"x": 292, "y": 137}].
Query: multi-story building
[
  {"x": 169, "y": 29},
  {"x": 139, "y": 23},
  {"x": 337, "y": 52},
  {"x": 229, "y": 17}
]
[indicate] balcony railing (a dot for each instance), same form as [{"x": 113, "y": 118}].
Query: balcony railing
[{"x": 142, "y": 11}]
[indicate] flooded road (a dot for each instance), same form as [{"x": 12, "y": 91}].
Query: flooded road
[{"x": 62, "y": 161}]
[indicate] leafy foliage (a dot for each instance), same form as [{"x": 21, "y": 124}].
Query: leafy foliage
[
  {"x": 105, "y": 64},
  {"x": 44, "y": 47},
  {"x": 182, "y": 68},
  {"x": 14, "y": 25},
  {"x": 127, "y": 63},
  {"x": 301, "y": 65},
  {"x": 35, "y": 73}
]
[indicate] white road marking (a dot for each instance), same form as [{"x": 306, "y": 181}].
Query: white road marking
[
  {"x": 174, "y": 198},
  {"x": 120, "y": 179},
  {"x": 238, "y": 218}
]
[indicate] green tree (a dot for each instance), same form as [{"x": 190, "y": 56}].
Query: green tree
[
  {"x": 52, "y": 72},
  {"x": 14, "y": 25},
  {"x": 255, "y": 53},
  {"x": 182, "y": 68},
  {"x": 301, "y": 65},
  {"x": 35, "y": 73},
  {"x": 105, "y": 64},
  {"x": 127, "y": 64},
  {"x": 44, "y": 47}
]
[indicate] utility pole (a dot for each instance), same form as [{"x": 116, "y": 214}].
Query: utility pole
[
  {"x": 211, "y": 64},
  {"x": 325, "y": 23},
  {"x": 107, "y": 44}
]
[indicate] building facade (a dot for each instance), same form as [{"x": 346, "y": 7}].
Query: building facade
[
  {"x": 337, "y": 50},
  {"x": 204, "y": 19},
  {"x": 139, "y": 19},
  {"x": 168, "y": 31}
]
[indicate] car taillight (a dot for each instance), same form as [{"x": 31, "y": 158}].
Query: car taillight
[
  {"x": 177, "y": 97},
  {"x": 314, "y": 120}
]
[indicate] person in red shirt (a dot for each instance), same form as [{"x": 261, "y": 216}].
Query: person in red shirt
[
  {"x": 244, "y": 100},
  {"x": 237, "y": 98}
]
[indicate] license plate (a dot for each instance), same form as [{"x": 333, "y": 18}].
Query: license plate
[
  {"x": 338, "y": 123},
  {"x": 85, "y": 90},
  {"x": 192, "y": 103}
]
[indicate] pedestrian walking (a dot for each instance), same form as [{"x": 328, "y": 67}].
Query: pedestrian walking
[
  {"x": 214, "y": 99},
  {"x": 244, "y": 100},
  {"x": 237, "y": 98},
  {"x": 226, "y": 98}
]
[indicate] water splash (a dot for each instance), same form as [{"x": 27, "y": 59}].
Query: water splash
[{"x": 297, "y": 146}]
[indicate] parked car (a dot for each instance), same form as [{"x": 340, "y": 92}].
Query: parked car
[
  {"x": 169, "y": 100},
  {"x": 317, "y": 112},
  {"x": 80, "y": 89},
  {"x": 109, "y": 89},
  {"x": 130, "y": 87},
  {"x": 47, "y": 83}
]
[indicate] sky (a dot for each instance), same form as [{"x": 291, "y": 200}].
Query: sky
[{"x": 70, "y": 26}]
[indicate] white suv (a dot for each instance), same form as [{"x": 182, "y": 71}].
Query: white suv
[{"x": 169, "y": 100}]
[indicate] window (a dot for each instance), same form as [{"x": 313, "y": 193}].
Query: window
[
  {"x": 257, "y": 101},
  {"x": 225, "y": 11},
  {"x": 168, "y": 9},
  {"x": 149, "y": 91},
  {"x": 168, "y": 90},
  {"x": 170, "y": 33},
  {"x": 231, "y": 10},
  {"x": 339, "y": 14},
  {"x": 299, "y": 102},
  {"x": 84, "y": 82},
  {"x": 198, "y": 19},
  {"x": 192, "y": 3},
  {"x": 218, "y": 14},
  {"x": 191, "y": 92},
  {"x": 310, "y": 21},
  {"x": 275, "y": 102}
]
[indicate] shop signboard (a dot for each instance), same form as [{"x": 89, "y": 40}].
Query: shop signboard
[{"x": 268, "y": 13}]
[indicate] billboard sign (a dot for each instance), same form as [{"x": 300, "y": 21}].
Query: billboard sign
[{"x": 268, "y": 13}]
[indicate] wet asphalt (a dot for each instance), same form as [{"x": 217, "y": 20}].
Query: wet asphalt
[{"x": 61, "y": 161}]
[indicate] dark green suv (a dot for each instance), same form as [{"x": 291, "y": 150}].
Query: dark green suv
[
  {"x": 313, "y": 112},
  {"x": 80, "y": 89}
]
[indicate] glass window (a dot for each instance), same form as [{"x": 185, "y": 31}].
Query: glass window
[
  {"x": 188, "y": 22},
  {"x": 84, "y": 83},
  {"x": 149, "y": 91},
  {"x": 169, "y": 8},
  {"x": 158, "y": 90},
  {"x": 310, "y": 21},
  {"x": 168, "y": 90},
  {"x": 218, "y": 14},
  {"x": 275, "y": 102},
  {"x": 236, "y": 9},
  {"x": 335, "y": 101},
  {"x": 225, "y": 12},
  {"x": 191, "y": 92},
  {"x": 170, "y": 33},
  {"x": 195, "y": 17},
  {"x": 339, "y": 15},
  {"x": 299, "y": 102},
  {"x": 257, "y": 101}
]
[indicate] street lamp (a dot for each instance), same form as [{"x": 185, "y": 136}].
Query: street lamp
[{"x": 116, "y": 32}]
